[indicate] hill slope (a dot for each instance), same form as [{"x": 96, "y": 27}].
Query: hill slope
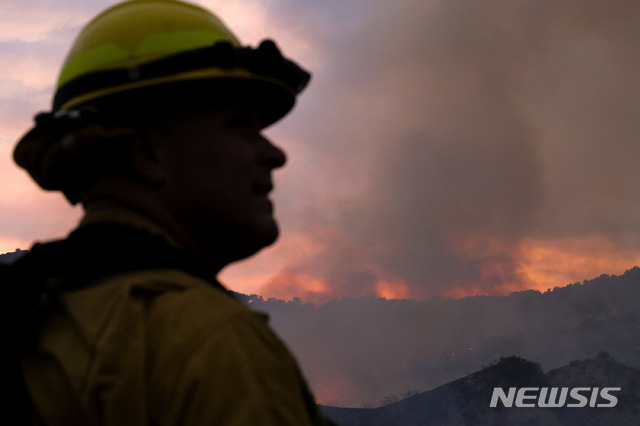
[{"x": 466, "y": 401}]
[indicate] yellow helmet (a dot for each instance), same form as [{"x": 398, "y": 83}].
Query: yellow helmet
[{"x": 139, "y": 46}]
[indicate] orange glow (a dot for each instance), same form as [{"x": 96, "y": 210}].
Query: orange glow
[
  {"x": 287, "y": 284},
  {"x": 259, "y": 273},
  {"x": 330, "y": 389},
  {"x": 496, "y": 260},
  {"x": 550, "y": 263},
  {"x": 9, "y": 245},
  {"x": 502, "y": 267},
  {"x": 392, "y": 290},
  {"x": 537, "y": 264}
]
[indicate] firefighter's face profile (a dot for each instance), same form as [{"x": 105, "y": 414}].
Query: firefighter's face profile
[{"x": 220, "y": 174}]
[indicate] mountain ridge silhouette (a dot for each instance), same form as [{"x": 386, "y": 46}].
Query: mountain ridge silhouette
[{"x": 466, "y": 401}]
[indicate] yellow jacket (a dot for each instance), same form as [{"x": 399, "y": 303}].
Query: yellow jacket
[{"x": 162, "y": 347}]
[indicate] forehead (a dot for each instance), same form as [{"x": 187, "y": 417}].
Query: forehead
[
  {"x": 222, "y": 99},
  {"x": 152, "y": 106},
  {"x": 214, "y": 113}
]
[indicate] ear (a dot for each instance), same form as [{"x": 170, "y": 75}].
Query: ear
[{"x": 147, "y": 157}]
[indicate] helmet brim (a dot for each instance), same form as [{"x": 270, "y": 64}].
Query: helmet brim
[{"x": 271, "y": 100}]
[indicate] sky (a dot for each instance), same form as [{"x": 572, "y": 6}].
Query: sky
[{"x": 443, "y": 148}]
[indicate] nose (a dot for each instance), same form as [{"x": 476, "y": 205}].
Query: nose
[{"x": 272, "y": 155}]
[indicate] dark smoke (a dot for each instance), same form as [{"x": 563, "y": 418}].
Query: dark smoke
[{"x": 445, "y": 124}]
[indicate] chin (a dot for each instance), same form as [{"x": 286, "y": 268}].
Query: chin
[
  {"x": 254, "y": 239},
  {"x": 267, "y": 233}
]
